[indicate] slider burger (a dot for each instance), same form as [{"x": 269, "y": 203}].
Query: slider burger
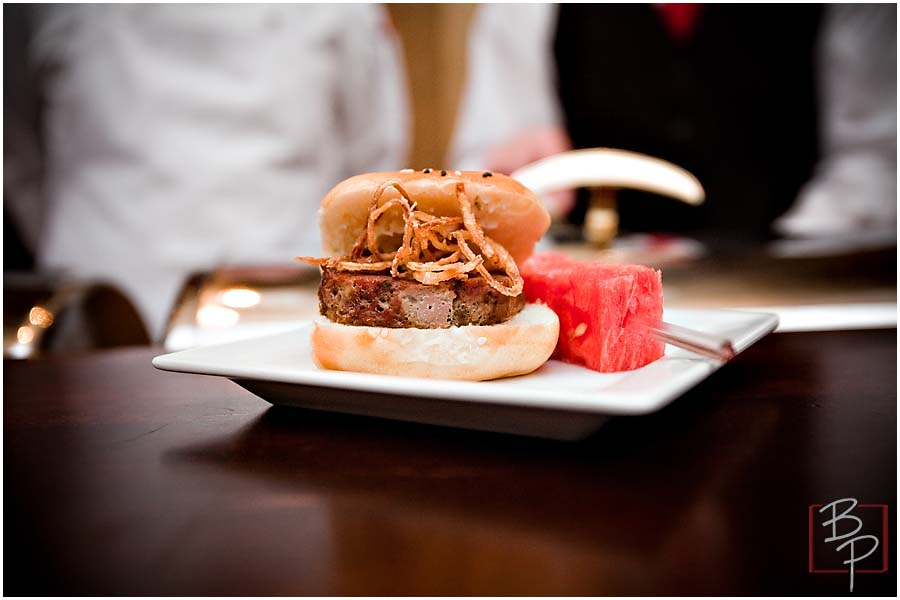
[{"x": 420, "y": 277}]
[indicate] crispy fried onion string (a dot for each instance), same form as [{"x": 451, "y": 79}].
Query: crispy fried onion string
[{"x": 432, "y": 249}]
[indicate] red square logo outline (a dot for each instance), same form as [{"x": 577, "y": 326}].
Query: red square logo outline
[{"x": 884, "y": 541}]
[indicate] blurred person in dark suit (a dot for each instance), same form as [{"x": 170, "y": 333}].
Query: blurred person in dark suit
[
  {"x": 178, "y": 137},
  {"x": 787, "y": 114}
]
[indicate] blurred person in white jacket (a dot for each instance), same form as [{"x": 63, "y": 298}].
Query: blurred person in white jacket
[
  {"x": 514, "y": 109},
  {"x": 179, "y": 137}
]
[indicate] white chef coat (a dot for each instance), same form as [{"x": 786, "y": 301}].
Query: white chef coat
[
  {"x": 854, "y": 190},
  {"x": 510, "y": 89},
  {"x": 184, "y": 136},
  {"x": 510, "y": 85}
]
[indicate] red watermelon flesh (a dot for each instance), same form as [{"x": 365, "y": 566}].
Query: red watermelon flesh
[{"x": 598, "y": 305}]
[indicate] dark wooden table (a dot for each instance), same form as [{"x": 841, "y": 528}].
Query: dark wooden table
[{"x": 121, "y": 479}]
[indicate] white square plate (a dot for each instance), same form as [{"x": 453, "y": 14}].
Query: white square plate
[{"x": 558, "y": 400}]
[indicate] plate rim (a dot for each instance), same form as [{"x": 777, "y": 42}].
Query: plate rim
[{"x": 487, "y": 392}]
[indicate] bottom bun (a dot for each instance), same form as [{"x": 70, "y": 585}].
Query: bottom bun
[{"x": 471, "y": 352}]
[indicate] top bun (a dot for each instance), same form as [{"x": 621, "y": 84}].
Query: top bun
[{"x": 507, "y": 211}]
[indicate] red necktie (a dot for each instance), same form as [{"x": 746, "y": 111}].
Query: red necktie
[{"x": 680, "y": 19}]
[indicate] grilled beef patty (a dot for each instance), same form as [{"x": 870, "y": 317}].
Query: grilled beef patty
[{"x": 383, "y": 301}]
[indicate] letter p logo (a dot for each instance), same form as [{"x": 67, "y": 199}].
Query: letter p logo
[{"x": 852, "y": 534}]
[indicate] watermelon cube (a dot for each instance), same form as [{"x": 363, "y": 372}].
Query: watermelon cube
[{"x": 600, "y": 308}]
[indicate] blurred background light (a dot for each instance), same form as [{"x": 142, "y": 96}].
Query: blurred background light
[
  {"x": 213, "y": 316},
  {"x": 239, "y": 297},
  {"x": 40, "y": 316},
  {"x": 25, "y": 334}
]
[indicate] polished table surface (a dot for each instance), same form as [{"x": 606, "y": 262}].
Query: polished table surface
[{"x": 120, "y": 479}]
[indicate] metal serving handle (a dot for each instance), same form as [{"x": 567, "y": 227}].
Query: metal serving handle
[{"x": 610, "y": 168}]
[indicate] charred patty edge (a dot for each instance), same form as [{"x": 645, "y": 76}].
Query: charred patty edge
[{"x": 364, "y": 299}]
